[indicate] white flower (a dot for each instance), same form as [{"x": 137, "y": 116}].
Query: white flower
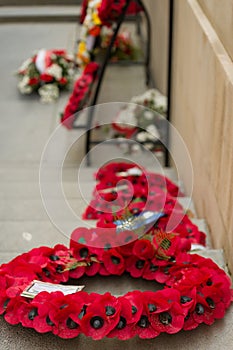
[
  {"x": 48, "y": 93},
  {"x": 148, "y": 115},
  {"x": 25, "y": 64},
  {"x": 23, "y": 86},
  {"x": 154, "y": 97},
  {"x": 142, "y": 136},
  {"x": 135, "y": 148},
  {"x": 161, "y": 102},
  {"x": 149, "y": 145},
  {"x": 127, "y": 117},
  {"x": 94, "y": 3},
  {"x": 55, "y": 70},
  {"x": 152, "y": 132},
  {"x": 26, "y": 90}
]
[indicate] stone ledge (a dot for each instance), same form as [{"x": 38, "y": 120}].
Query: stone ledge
[{"x": 40, "y": 14}]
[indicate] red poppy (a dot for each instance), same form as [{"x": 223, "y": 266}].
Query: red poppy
[
  {"x": 171, "y": 317},
  {"x": 66, "y": 315},
  {"x": 135, "y": 266},
  {"x": 45, "y": 304},
  {"x": 33, "y": 81},
  {"x": 123, "y": 328},
  {"x": 46, "y": 78},
  {"x": 83, "y": 10},
  {"x": 143, "y": 249},
  {"x": 95, "y": 31},
  {"x": 101, "y": 316},
  {"x": 91, "y": 68},
  {"x": 113, "y": 262},
  {"x": 12, "y": 315},
  {"x": 63, "y": 81}
]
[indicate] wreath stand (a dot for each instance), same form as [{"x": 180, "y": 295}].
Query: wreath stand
[{"x": 106, "y": 59}]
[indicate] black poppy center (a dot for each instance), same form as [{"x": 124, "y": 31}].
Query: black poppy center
[
  {"x": 59, "y": 268},
  {"x": 54, "y": 257},
  {"x": 165, "y": 318},
  {"x": 83, "y": 312},
  {"x": 128, "y": 239},
  {"x": 47, "y": 273},
  {"x": 184, "y": 299},
  {"x": 110, "y": 310},
  {"x": 107, "y": 246},
  {"x": 49, "y": 322},
  {"x": 32, "y": 314},
  {"x": 199, "y": 309},
  {"x": 143, "y": 322},
  {"x": 83, "y": 252},
  {"x": 6, "y": 302},
  {"x": 96, "y": 322},
  {"x": 134, "y": 309},
  {"x": 210, "y": 302},
  {"x": 121, "y": 323},
  {"x": 140, "y": 264},
  {"x": 153, "y": 268},
  {"x": 115, "y": 260},
  {"x": 152, "y": 307},
  {"x": 71, "y": 324}
]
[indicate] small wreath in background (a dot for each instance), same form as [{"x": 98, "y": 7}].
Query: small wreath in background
[
  {"x": 48, "y": 72},
  {"x": 195, "y": 290}
]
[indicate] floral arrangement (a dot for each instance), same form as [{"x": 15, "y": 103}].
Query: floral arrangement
[
  {"x": 97, "y": 14},
  {"x": 195, "y": 290},
  {"x": 139, "y": 123},
  {"x": 47, "y": 72},
  {"x": 80, "y": 94},
  {"x": 108, "y": 10},
  {"x": 141, "y": 190},
  {"x": 124, "y": 48},
  {"x": 90, "y": 29}
]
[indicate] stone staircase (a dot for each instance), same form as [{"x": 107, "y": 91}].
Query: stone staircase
[
  {"x": 24, "y": 225},
  {"x": 26, "y": 126}
]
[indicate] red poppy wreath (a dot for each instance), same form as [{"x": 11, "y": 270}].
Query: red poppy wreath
[{"x": 195, "y": 290}]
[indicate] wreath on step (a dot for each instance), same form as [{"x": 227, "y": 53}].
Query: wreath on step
[
  {"x": 195, "y": 290},
  {"x": 47, "y": 72}
]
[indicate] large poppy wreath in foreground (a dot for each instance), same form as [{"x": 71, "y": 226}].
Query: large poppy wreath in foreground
[{"x": 195, "y": 290}]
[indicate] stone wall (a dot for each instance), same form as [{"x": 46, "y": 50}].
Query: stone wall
[
  {"x": 159, "y": 14},
  {"x": 202, "y": 109},
  {"x": 202, "y": 102}
]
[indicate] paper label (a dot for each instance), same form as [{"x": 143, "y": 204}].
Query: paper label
[
  {"x": 130, "y": 172},
  {"x": 135, "y": 222},
  {"x": 195, "y": 246},
  {"x": 37, "y": 286},
  {"x": 114, "y": 189}
]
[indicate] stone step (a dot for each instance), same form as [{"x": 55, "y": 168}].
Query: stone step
[
  {"x": 23, "y": 182},
  {"x": 39, "y": 2},
  {"x": 217, "y": 255},
  {"x": 40, "y": 13},
  {"x": 23, "y": 235},
  {"x": 203, "y": 227}
]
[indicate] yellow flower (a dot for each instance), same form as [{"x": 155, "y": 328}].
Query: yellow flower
[
  {"x": 82, "y": 47},
  {"x": 96, "y": 19},
  {"x": 83, "y": 56}
]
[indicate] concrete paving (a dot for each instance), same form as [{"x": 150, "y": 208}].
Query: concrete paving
[{"x": 26, "y": 125}]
